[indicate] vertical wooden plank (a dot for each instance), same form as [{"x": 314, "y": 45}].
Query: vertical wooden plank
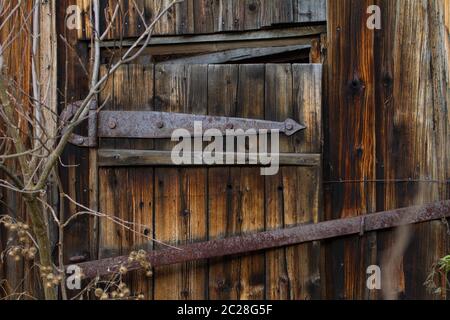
[
  {"x": 85, "y": 8},
  {"x": 414, "y": 130},
  {"x": 203, "y": 16},
  {"x": 307, "y": 96},
  {"x": 230, "y": 15},
  {"x": 251, "y": 218},
  {"x": 283, "y": 11},
  {"x": 180, "y": 218},
  {"x": 130, "y": 88},
  {"x": 72, "y": 85},
  {"x": 310, "y": 10},
  {"x": 180, "y": 212},
  {"x": 168, "y": 23},
  {"x": 304, "y": 260},
  {"x": 106, "y": 98},
  {"x": 386, "y": 198},
  {"x": 117, "y": 30},
  {"x": 141, "y": 205},
  {"x": 134, "y": 20},
  {"x": 222, "y": 94},
  {"x": 350, "y": 142},
  {"x": 127, "y": 194},
  {"x": 278, "y": 107},
  {"x": 447, "y": 48},
  {"x": 125, "y": 19},
  {"x": 110, "y": 235},
  {"x": 17, "y": 67},
  {"x": 266, "y": 13},
  {"x": 236, "y": 199},
  {"x": 185, "y": 17},
  {"x": 253, "y": 14},
  {"x": 140, "y": 89},
  {"x": 293, "y": 196}
]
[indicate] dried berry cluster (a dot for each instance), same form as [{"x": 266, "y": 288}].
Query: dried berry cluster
[
  {"x": 49, "y": 278},
  {"x": 141, "y": 258},
  {"x": 122, "y": 292},
  {"x": 25, "y": 249}
]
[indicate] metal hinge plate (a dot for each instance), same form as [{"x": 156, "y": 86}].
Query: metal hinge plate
[{"x": 161, "y": 125}]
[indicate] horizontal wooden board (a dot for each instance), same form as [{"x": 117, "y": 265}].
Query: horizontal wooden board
[{"x": 127, "y": 158}]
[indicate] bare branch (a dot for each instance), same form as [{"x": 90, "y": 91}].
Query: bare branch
[{"x": 82, "y": 112}]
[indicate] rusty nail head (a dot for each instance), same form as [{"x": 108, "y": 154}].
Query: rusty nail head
[
  {"x": 113, "y": 125},
  {"x": 78, "y": 259},
  {"x": 289, "y": 126}
]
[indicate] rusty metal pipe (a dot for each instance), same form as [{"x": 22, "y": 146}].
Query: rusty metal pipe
[{"x": 276, "y": 238}]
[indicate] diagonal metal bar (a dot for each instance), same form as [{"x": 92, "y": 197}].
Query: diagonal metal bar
[
  {"x": 161, "y": 125},
  {"x": 276, "y": 238}
]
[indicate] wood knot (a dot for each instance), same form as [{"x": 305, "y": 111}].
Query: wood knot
[
  {"x": 184, "y": 293},
  {"x": 356, "y": 85},
  {"x": 284, "y": 279},
  {"x": 387, "y": 80},
  {"x": 220, "y": 284},
  {"x": 185, "y": 213},
  {"x": 359, "y": 151},
  {"x": 159, "y": 103}
]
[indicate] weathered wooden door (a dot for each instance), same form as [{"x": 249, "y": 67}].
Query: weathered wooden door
[{"x": 155, "y": 202}]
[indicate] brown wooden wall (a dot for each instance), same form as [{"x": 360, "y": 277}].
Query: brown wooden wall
[
  {"x": 185, "y": 205},
  {"x": 202, "y": 16},
  {"x": 386, "y": 138},
  {"x": 387, "y": 141},
  {"x": 17, "y": 65}
]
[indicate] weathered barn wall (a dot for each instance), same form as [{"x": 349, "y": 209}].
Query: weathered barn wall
[
  {"x": 202, "y": 16},
  {"x": 185, "y": 205},
  {"x": 387, "y": 142},
  {"x": 17, "y": 65}
]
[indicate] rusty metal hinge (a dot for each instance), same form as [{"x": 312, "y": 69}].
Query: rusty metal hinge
[
  {"x": 75, "y": 139},
  {"x": 161, "y": 125}
]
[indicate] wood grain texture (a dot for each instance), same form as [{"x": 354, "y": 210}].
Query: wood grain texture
[
  {"x": 293, "y": 196},
  {"x": 235, "y": 196},
  {"x": 181, "y": 213},
  {"x": 350, "y": 143},
  {"x": 387, "y": 119},
  {"x": 310, "y": 10},
  {"x": 127, "y": 195},
  {"x": 222, "y": 94},
  {"x": 200, "y": 16},
  {"x": 414, "y": 122},
  {"x": 131, "y": 88},
  {"x": 73, "y": 84},
  {"x": 131, "y": 158},
  {"x": 16, "y": 66},
  {"x": 182, "y": 205}
]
